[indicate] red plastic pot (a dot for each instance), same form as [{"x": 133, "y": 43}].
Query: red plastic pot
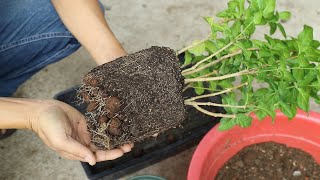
[{"x": 218, "y": 147}]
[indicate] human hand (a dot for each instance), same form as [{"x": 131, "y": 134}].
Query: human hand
[{"x": 63, "y": 129}]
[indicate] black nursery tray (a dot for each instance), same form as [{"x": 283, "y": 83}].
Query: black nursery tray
[{"x": 152, "y": 150}]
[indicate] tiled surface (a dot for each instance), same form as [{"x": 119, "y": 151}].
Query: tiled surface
[{"x": 138, "y": 24}]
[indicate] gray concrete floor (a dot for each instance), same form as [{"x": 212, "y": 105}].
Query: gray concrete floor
[{"x": 138, "y": 24}]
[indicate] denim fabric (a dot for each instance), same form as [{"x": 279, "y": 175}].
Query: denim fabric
[{"x": 32, "y": 36}]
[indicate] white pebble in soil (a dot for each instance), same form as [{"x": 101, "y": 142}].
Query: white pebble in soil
[{"x": 296, "y": 173}]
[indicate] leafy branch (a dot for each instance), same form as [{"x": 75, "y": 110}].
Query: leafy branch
[
  {"x": 244, "y": 72},
  {"x": 288, "y": 68},
  {"x": 213, "y": 104},
  {"x": 184, "y": 73},
  {"x": 211, "y": 113}
]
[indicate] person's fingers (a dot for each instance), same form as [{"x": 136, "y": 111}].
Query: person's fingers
[
  {"x": 93, "y": 147},
  {"x": 126, "y": 148},
  {"x": 69, "y": 156},
  {"x": 83, "y": 135},
  {"x": 108, "y": 154},
  {"x": 132, "y": 145},
  {"x": 73, "y": 147}
]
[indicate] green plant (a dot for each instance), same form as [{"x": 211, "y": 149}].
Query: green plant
[{"x": 230, "y": 61}]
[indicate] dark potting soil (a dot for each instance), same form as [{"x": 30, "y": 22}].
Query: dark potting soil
[
  {"x": 270, "y": 161},
  {"x": 133, "y": 97}
]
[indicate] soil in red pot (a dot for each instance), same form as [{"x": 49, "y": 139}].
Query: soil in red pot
[{"x": 270, "y": 161}]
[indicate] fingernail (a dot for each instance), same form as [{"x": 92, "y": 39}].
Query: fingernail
[{"x": 89, "y": 160}]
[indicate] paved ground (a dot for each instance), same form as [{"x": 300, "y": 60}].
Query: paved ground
[{"x": 138, "y": 24}]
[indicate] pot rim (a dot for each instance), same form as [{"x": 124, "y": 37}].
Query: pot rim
[{"x": 217, "y": 147}]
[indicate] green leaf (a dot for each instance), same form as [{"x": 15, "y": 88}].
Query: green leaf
[
  {"x": 289, "y": 111},
  {"x": 226, "y": 124},
  {"x": 261, "y": 75},
  {"x": 283, "y": 89},
  {"x": 199, "y": 88},
  {"x": 225, "y": 84},
  {"x": 272, "y": 17},
  {"x": 219, "y": 27},
  {"x": 247, "y": 43},
  {"x": 317, "y": 101},
  {"x": 232, "y": 5},
  {"x": 204, "y": 71},
  {"x": 267, "y": 109},
  {"x": 270, "y": 7},
  {"x": 317, "y": 83},
  {"x": 228, "y": 33},
  {"x": 250, "y": 28},
  {"x": 213, "y": 86},
  {"x": 292, "y": 97},
  {"x": 282, "y": 50},
  {"x": 254, "y": 5},
  {"x": 273, "y": 28},
  {"x": 272, "y": 85},
  {"x": 258, "y": 17},
  {"x": 311, "y": 76},
  {"x": 292, "y": 44},
  {"x": 249, "y": 80},
  {"x": 261, "y": 92},
  {"x": 257, "y": 43},
  {"x": 211, "y": 46},
  {"x": 315, "y": 44},
  {"x": 261, "y": 4},
  {"x": 303, "y": 61},
  {"x": 187, "y": 58},
  {"x": 246, "y": 96},
  {"x": 265, "y": 53},
  {"x": 316, "y": 86},
  {"x": 241, "y": 6},
  {"x": 270, "y": 40},
  {"x": 225, "y": 68},
  {"x": 199, "y": 49},
  {"x": 230, "y": 99},
  {"x": 237, "y": 61},
  {"x": 272, "y": 101},
  {"x": 298, "y": 74},
  {"x": 306, "y": 36},
  {"x": 209, "y": 20},
  {"x": 247, "y": 54},
  {"x": 285, "y": 75},
  {"x": 284, "y": 15},
  {"x": 236, "y": 28},
  {"x": 261, "y": 114},
  {"x": 243, "y": 121},
  {"x": 315, "y": 95},
  {"x": 312, "y": 54},
  {"x": 303, "y": 99},
  {"x": 223, "y": 14},
  {"x": 281, "y": 28}
]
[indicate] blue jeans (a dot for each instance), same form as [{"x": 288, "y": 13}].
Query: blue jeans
[{"x": 32, "y": 36}]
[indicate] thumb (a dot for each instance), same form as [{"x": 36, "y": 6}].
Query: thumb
[{"x": 78, "y": 150}]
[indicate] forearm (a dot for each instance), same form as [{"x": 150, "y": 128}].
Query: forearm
[
  {"x": 17, "y": 113},
  {"x": 86, "y": 22}
]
